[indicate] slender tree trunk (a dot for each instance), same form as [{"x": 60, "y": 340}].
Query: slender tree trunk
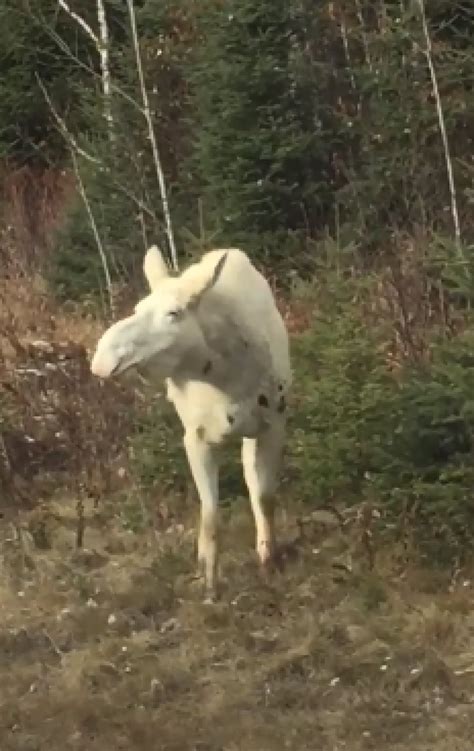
[
  {"x": 151, "y": 133},
  {"x": 102, "y": 45},
  {"x": 104, "y": 66},
  {"x": 442, "y": 127}
]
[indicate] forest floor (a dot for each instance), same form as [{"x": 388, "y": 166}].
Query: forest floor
[{"x": 109, "y": 647}]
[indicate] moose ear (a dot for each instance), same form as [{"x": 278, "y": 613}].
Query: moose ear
[
  {"x": 154, "y": 267},
  {"x": 201, "y": 282}
]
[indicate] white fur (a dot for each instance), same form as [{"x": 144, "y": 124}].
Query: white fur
[{"x": 215, "y": 334}]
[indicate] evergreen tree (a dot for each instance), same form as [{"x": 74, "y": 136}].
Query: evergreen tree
[
  {"x": 261, "y": 145},
  {"x": 121, "y": 183},
  {"x": 28, "y": 50},
  {"x": 396, "y": 167}
]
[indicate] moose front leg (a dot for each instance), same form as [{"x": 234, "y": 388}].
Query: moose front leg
[
  {"x": 205, "y": 471},
  {"x": 261, "y": 459}
]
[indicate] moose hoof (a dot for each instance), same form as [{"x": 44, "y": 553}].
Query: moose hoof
[
  {"x": 271, "y": 563},
  {"x": 210, "y": 598}
]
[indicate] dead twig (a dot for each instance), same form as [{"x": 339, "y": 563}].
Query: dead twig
[
  {"x": 81, "y": 524},
  {"x": 366, "y": 520}
]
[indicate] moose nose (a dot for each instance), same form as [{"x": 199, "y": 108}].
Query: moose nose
[{"x": 104, "y": 364}]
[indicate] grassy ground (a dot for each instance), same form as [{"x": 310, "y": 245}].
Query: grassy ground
[{"x": 109, "y": 647}]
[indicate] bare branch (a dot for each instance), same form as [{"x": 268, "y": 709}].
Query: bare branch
[
  {"x": 363, "y": 34},
  {"x": 152, "y": 137},
  {"x": 95, "y": 232},
  {"x": 84, "y": 25},
  {"x": 141, "y": 205},
  {"x": 68, "y": 136},
  {"x": 74, "y": 148},
  {"x": 442, "y": 127},
  {"x": 83, "y": 66},
  {"x": 347, "y": 52},
  {"x": 63, "y": 127}
]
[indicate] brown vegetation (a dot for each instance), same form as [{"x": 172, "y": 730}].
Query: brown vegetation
[
  {"x": 59, "y": 425},
  {"x": 32, "y": 206}
]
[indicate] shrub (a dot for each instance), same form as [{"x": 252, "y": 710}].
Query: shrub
[{"x": 403, "y": 440}]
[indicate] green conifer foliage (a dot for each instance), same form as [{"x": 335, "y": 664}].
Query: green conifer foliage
[
  {"x": 261, "y": 148},
  {"x": 28, "y": 50}
]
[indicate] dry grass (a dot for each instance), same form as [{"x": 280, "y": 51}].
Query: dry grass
[
  {"x": 110, "y": 647},
  {"x": 59, "y": 425},
  {"x": 32, "y": 208}
]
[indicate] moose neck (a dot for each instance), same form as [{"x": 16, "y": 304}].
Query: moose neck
[
  {"x": 223, "y": 356},
  {"x": 201, "y": 363}
]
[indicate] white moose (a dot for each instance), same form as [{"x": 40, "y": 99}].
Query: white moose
[{"x": 215, "y": 334}]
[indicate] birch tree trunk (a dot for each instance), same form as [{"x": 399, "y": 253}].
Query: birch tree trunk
[{"x": 151, "y": 134}]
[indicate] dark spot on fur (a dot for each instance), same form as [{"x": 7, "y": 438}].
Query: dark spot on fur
[
  {"x": 200, "y": 432},
  {"x": 262, "y": 400},
  {"x": 281, "y": 405},
  {"x": 280, "y": 387},
  {"x": 207, "y": 367},
  {"x": 230, "y": 419}
]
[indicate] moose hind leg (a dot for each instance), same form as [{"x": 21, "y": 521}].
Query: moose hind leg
[
  {"x": 261, "y": 459},
  {"x": 205, "y": 471}
]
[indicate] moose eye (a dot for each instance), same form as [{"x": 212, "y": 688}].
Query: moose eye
[{"x": 173, "y": 314}]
